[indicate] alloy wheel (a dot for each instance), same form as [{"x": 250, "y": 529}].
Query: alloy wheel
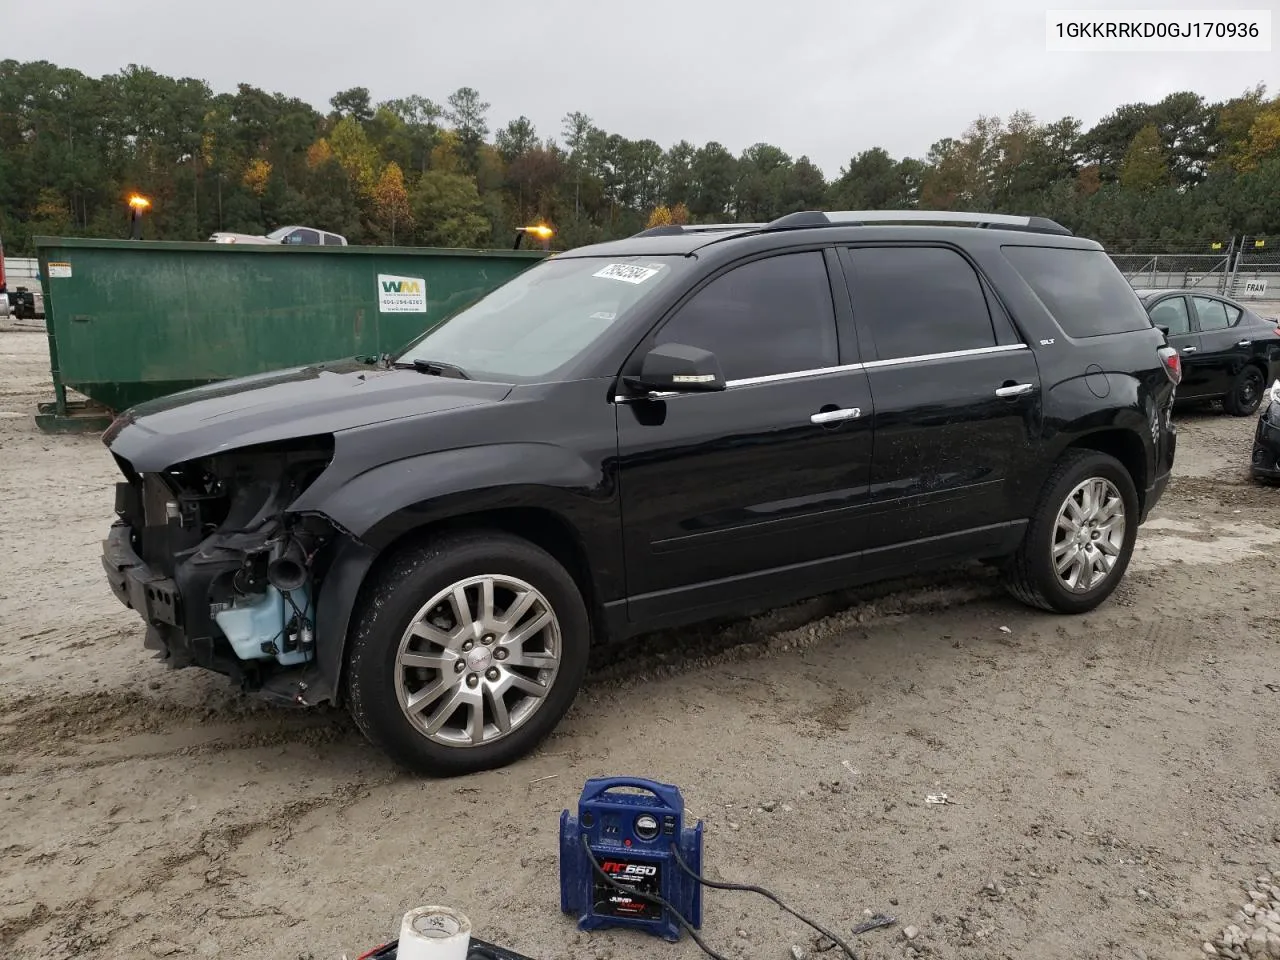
[
  {"x": 1088, "y": 536},
  {"x": 478, "y": 660},
  {"x": 1250, "y": 388}
]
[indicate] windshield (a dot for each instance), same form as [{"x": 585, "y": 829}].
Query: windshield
[{"x": 542, "y": 319}]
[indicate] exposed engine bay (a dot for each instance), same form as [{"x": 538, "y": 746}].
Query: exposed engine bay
[{"x": 224, "y": 575}]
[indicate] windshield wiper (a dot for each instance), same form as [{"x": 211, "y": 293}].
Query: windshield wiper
[{"x": 437, "y": 368}]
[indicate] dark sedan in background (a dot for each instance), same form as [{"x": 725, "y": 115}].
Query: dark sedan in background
[{"x": 1228, "y": 352}]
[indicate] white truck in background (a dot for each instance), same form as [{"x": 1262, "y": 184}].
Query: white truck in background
[{"x": 288, "y": 236}]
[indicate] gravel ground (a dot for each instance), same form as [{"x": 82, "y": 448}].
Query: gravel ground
[{"x": 1114, "y": 779}]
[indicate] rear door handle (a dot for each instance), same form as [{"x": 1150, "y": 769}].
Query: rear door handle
[
  {"x": 835, "y": 416},
  {"x": 1244, "y": 343},
  {"x": 1188, "y": 349},
  {"x": 1015, "y": 390}
]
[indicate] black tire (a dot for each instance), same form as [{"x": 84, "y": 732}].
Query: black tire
[
  {"x": 1030, "y": 575},
  {"x": 1245, "y": 395},
  {"x": 388, "y": 606}
]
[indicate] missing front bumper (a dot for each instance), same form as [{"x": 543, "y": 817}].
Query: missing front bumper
[
  {"x": 159, "y": 600},
  {"x": 135, "y": 585},
  {"x": 1265, "y": 460}
]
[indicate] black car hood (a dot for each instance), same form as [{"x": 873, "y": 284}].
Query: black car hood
[{"x": 283, "y": 404}]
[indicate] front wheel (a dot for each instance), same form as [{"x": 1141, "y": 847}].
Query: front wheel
[
  {"x": 1080, "y": 539},
  {"x": 467, "y": 652},
  {"x": 1245, "y": 395}
]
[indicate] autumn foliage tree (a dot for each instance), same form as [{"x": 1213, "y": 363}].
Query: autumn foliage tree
[
  {"x": 443, "y": 172},
  {"x": 1263, "y": 141},
  {"x": 351, "y": 148},
  {"x": 660, "y": 217},
  {"x": 391, "y": 200},
  {"x": 319, "y": 153},
  {"x": 257, "y": 174}
]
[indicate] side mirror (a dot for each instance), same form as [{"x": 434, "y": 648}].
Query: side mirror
[{"x": 678, "y": 368}]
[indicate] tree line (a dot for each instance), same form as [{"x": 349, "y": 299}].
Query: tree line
[{"x": 412, "y": 170}]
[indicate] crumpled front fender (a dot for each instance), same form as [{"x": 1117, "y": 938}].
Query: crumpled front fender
[{"x": 374, "y": 509}]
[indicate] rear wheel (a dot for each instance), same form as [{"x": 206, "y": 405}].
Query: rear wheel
[
  {"x": 1080, "y": 539},
  {"x": 467, "y": 653},
  {"x": 1245, "y": 395}
]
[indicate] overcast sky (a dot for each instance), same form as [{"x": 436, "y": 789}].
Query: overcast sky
[{"x": 826, "y": 78}]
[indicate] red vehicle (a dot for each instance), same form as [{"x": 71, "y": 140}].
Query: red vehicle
[{"x": 4, "y": 290}]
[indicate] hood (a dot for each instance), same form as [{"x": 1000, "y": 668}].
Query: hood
[
  {"x": 281, "y": 405},
  {"x": 227, "y": 237}
]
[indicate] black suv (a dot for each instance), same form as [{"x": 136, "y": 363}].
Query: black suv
[{"x": 690, "y": 423}]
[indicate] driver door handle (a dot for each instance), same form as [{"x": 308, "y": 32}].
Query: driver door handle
[
  {"x": 835, "y": 416},
  {"x": 1014, "y": 389},
  {"x": 1244, "y": 343}
]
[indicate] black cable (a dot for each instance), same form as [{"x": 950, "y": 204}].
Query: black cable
[
  {"x": 751, "y": 888},
  {"x": 651, "y": 898},
  {"x": 289, "y": 598},
  {"x": 302, "y": 621}
]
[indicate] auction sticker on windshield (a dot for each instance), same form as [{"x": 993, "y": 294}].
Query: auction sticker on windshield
[
  {"x": 626, "y": 272},
  {"x": 401, "y": 294}
]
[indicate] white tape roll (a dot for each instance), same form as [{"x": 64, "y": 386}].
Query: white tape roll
[{"x": 434, "y": 933}]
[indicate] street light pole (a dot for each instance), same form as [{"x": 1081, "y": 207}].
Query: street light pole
[
  {"x": 541, "y": 231},
  {"x": 137, "y": 204}
]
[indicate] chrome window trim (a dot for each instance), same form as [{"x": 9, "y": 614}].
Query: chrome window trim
[
  {"x": 948, "y": 355},
  {"x": 861, "y": 367},
  {"x": 794, "y": 375}
]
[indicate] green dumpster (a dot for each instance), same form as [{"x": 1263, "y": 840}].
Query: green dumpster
[{"x": 130, "y": 320}]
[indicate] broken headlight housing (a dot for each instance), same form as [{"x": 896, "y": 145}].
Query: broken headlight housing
[{"x": 243, "y": 562}]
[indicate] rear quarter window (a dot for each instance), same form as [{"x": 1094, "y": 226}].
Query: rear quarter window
[{"x": 1082, "y": 289}]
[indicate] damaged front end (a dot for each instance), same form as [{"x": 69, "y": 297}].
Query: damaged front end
[
  {"x": 1265, "y": 461},
  {"x": 224, "y": 575}
]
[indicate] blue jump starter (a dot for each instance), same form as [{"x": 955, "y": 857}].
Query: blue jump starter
[{"x": 630, "y": 834}]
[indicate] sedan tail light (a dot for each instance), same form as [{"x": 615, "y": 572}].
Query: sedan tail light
[{"x": 1172, "y": 364}]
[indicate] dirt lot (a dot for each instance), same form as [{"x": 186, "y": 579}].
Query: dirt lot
[{"x": 1115, "y": 778}]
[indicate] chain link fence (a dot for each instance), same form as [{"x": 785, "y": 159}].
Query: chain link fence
[
  {"x": 1255, "y": 273},
  {"x": 1245, "y": 268},
  {"x": 1201, "y": 266}
]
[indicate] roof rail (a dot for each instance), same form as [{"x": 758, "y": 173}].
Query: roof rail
[
  {"x": 676, "y": 229},
  {"x": 1004, "y": 221}
]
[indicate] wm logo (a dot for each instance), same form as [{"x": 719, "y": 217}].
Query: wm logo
[{"x": 401, "y": 286}]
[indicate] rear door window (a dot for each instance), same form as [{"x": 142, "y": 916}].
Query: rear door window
[
  {"x": 914, "y": 301},
  {"x": 1083, "y": 289},
  {"x": 1211, "y": 314},
  {"x": 1172, "y": 313}
]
